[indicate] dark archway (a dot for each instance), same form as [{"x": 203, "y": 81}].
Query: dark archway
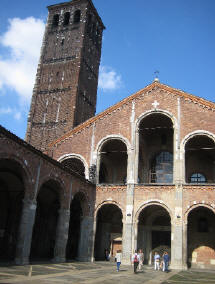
[
  {"x": 76, "y": 214},
  {"x": 113, "y": 162},
  {"x": 11, "y": 196},
  {"x": 44, "y": 232},
  {"x": 200, "y": 238},
  {"x": 75, "y": 165},
  {"x": 156, "y": 149},
  {"x": 154, "y": 232},
  {"x": 108, "y": 231},
  {"x": 200, "y": 160}
]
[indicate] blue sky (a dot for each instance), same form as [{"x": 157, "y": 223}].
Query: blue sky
[{"x": 175, "y": 37}]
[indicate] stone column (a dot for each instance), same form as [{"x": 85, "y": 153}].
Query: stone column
[
  {"x": 86, "y": 239},
  {"x": 185, "y": 247},
  {"x": 25, "y": 232},
  {"x": 177, "y": 231},
  {"x": 128, "y": 244},
  {"x": 128, "y": 226},
  {"x": 61, "y": 235}
]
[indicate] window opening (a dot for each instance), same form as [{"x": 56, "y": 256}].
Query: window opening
[
  {"x": 162, "y": 168},
  {"x": 77, "y": 16},
  {"x": 66, "y": 18},
  {"x": 55, "y": 21},
  {"x": 197, "y": 178}
]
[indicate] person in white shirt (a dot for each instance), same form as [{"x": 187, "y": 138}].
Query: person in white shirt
[
  {"x": 118, "y": 258},
  {"x": 156, "y": 261}
]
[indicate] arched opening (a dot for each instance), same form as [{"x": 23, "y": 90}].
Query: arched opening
[
  {"x": 76, "y": 214},
  {"x": 11, "y": 196},
  {"x": 156, "y": 149},
  {"x": 200, "y": 238},
  {"x": 108, "y": 231},
  {"x": 44, "y": 232},
  {"x": 66, "y": 19},
  {"x": 55, "y": 20},
  {"x": 77, "y": 16},
  {"x": 154, "y": 232},
  {"x": 113, "y": 162},
  {"x": 200, "y": 160},
  {"x": 75, "y": 165}
]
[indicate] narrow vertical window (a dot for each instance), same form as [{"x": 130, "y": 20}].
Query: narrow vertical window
[
  {"x": 55, "y": 20},
  {"x": 77, "y": 16},
  {"x": 58, "y": 111},
  {"x": 66, "y": 18}
]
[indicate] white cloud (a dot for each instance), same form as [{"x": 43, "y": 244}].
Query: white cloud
[
  {"x": 17, "y": 115},
  {"x": 23, "y": 40},
  {"x": 108, "y": 79},
  {"x": 5, "y": 110}
]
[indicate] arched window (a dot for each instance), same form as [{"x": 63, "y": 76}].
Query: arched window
[
  {"x": 162, "y": 168},
  {"x": 197, "y": 178},
  {"x": 77, "y": 16},
  {"x": 66, "y": 18},
  {"x": 55, "y": 20}
]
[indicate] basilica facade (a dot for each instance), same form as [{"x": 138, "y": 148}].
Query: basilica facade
[{"x": 141, "y": 174}]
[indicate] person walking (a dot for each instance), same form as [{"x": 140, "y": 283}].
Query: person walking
[
  {"x": 118, "y": 258},
  {"x": 135, "y": 261},
  {"x": 141, "y": 255},
  {"x": 165, "y": 261},
  {"x": 156, "y": 261}
]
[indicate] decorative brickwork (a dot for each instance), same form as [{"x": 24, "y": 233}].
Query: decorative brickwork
[{"x": 65, "y": 91}]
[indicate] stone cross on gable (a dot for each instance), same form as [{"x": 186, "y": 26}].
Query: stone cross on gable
[{"x": 155, "y": 104}]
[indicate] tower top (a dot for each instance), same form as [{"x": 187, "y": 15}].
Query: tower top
[{"x": 65, "y": 4}]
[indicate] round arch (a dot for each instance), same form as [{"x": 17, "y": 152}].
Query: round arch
[
  {"x": 199, "y": 161},
  {"x": 193, "y": 134},
  {"x": 200, "y": 221},
  {"x": 103, "y": 169},
  {"x": 150, "y": 203},
  {"x": 111, "y": 137},
  {"x": 15, "y": 186},
  {"x": 84, "y": 200},
  {"x": 107, "y": 202},
  {"x": 26, "y": 172},
  {"x": 109, "y": 229},
  {"x": 60, "y": 184},
  {"x": 152, "y": 229},
  {"x": 161, "y": 126},
  {"x": 157, "y": 111},
  {"x": 195, "y": 206},
  {"x": 79, "y": 157}
]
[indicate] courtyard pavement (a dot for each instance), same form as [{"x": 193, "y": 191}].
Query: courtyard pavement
[{"x": 98, "y": 272}]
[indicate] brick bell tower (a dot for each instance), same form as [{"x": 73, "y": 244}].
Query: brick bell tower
[{"x": 65, "y": 90}]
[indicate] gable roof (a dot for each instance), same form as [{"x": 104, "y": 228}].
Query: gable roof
[{"x": 128, "y": 99}]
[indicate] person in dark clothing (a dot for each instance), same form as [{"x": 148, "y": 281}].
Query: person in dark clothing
[{"x": 165, "y": 261}]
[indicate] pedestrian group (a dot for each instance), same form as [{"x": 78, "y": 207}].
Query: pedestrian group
[{"x": 160, "y": 263}]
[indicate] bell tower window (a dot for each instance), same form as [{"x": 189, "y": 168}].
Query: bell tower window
[
  {"x": 66, "y": 19},
  {"x": 77, "y": 17},
  {"x": 55, "y": 21}
]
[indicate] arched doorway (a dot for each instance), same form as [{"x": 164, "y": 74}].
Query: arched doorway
[
  {"x": 44, "y": 232},
  {"x": 108, "y": 231},
  {"x": 156, "y": 149},
  {"x": 199, "y": 160},
  {"x": 200, "y": 238},
  {"x": 11, "y": 196},
  {"x": 154, "y": 232},
  {"x": 113, "y": 162},
  {"x": 76, "y": 214}
]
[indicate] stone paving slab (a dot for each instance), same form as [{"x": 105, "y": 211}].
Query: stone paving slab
[{"x": 96, "y": 273}]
